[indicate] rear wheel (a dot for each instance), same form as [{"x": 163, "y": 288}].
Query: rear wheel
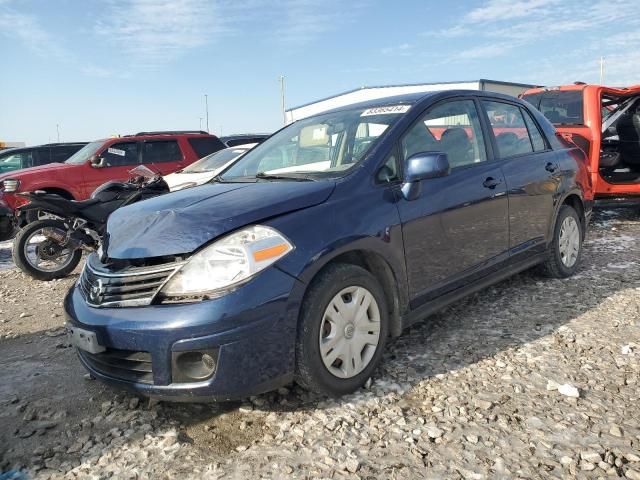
[
  {"x": 342, "y": 331},
  {"x": 41, "y": 257},
  {"x": 566, "y": 246}
]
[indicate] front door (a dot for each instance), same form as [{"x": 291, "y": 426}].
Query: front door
[
  {"x": 119, "y": 159},
  {"x": 532, "y": 173},
  {"x": 458, "y": 228}
]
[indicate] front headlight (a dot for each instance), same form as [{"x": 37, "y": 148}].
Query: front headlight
[
  {"x": 10, "y": 185},
  {"x": 228, "y": 262}
]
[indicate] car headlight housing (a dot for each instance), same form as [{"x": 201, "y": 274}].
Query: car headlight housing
[
  {"x": 228, "y": 262},
  {"x": 10, "y": 185}
]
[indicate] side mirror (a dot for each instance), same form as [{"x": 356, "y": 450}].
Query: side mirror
[
  {"x": 98, "y": 162},
  {"x": 422, "y": 166}
]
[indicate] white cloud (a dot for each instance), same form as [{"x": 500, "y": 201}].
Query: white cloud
[
  {"x": 496, "y": 10},
  {"x": 26, "y": 29},
  {"x": 403, "y": 50},
  {"x": 307, "y": 20},
  {"x": 484, "y": 51},
  {"x": 158, "y": 31}
]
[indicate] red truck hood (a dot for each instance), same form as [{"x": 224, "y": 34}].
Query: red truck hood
[{"x": 50, "y": 170}]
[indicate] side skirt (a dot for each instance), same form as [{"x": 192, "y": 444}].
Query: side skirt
[{"x": 441, "y": 302}]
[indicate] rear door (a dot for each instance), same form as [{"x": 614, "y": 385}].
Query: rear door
[
  {"x": 457, "y": 230},
  {"x": 532, "y": 173},
  {"x": 119, "y": 159},
  {"x": 162, "y": 156}
]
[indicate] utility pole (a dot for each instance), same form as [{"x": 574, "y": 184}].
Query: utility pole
[
  {"x": 284, "y": 113},
  {"x": 206, "y": 109},
  {"x": 601, "y": 70},
  {"x": 58, "y": 131}
]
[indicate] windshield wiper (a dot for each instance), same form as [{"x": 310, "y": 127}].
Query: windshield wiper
[{"x": 299, "y": 177}]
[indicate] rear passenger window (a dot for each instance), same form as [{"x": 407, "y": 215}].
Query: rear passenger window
[
  {"x": 507, "y": 122},
  {"x": 534, "y": 132},
  {"x": 203, "y": 146},
  {"x": 453, "y": 128},
  {"x": 161, "y": 151},
  {"x": 120, "y": 154}
]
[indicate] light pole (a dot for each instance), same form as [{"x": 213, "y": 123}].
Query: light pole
[
  {"x": 58, "y": 131},
  {"x": 200, "y": 123},
  {"x": 206, "y": 109},
  {"x": 284, "y": 114}
]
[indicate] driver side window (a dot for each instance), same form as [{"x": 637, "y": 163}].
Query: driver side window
[
  {"x": 121, "y": 154},
  {"x": 453, "y": 128}
]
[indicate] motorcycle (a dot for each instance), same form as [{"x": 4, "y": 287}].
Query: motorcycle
[{"x": 52, "y": 247}]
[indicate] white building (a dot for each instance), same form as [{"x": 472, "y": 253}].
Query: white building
[{"x": 370, "y": 93}]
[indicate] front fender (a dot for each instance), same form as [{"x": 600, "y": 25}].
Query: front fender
[{"x": 368, "y": 223}]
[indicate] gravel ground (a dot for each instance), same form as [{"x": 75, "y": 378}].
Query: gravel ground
[{"x": 532, "y": 378}]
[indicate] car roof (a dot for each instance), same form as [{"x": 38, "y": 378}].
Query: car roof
[
  {"x": 416, "y": 98},
  {"x": 26, "y": 149}
]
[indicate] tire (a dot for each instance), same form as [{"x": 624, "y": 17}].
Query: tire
[
  {"x": 352, "y": 283},
  {"x": 22, "y": 261},
  {"x": 557, "y": 264}
]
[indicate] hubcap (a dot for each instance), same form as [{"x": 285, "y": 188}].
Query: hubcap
[
  {"x": 569, "y": 242},
  {"x": 350, "y": 332}
]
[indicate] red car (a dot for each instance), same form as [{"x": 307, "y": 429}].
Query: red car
[
  {"x": 99, "y": 162},
  {"x": 605, "y": 123}
]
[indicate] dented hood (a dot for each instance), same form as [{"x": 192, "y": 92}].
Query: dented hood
[{"x": 180, "y": 222}]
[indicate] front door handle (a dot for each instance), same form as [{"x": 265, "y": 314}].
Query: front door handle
[
  {"x": 491, "y": 183},
  {"x": 551, "y": 167}
]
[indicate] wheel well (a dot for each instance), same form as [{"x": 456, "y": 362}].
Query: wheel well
[
  {"x": 575, "y": 202},
  {"x": 59, "y": 191},
  {"x": 376, "y": 265}
]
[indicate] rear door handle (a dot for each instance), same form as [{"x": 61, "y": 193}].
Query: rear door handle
[
  {"x": 491, "y": 183},
  {"x": 551, "y": 167}
]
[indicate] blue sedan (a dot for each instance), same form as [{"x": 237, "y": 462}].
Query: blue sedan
[{"x": 301, "y": 259}]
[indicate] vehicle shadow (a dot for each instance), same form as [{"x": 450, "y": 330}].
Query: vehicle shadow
[{"x": 39, "y": 370}]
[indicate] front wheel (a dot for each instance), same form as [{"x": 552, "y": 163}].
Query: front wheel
[
  {"x": 342, "y": 331},
  {"x": 566, "y": 246},
  {"x": 41, "y": 257}
]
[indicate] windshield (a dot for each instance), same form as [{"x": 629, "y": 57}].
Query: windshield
[
  {"x": 85, "y": 153},
  {"x": 324, "y": 146},
  {"x": 560, "y": 107},
  {"x": 215, "y": 161}
]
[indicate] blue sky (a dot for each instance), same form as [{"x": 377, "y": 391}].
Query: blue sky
[{"x": 107, "y": 67}]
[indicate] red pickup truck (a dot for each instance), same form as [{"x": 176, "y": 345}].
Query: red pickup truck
[{"x": 99, "y": 162}]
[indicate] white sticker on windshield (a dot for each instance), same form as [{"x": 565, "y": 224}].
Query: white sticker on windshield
[
  {"x": 116, "y": 151},
  {"x": 385, "y": 110}
]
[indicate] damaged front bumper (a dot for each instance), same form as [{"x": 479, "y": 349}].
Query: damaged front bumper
[{"x": 231, "y": 347}]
